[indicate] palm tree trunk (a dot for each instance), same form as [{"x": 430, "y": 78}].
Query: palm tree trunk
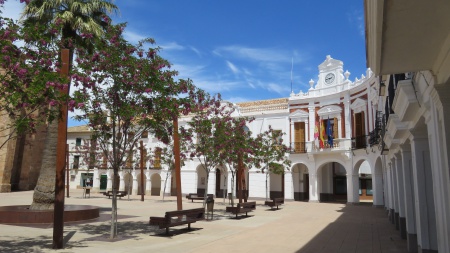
[{"x": 44, "y": 193}]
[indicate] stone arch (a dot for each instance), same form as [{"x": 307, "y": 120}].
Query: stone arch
[
  {"x": 300, "y": 181},
  {"x": 221, "y": 182},
  {"x": 331, "y": 181},
  {"x": 363, "y": 189},
  {"x": 155, "y": 180},
  {"x": 201, "y": 180},
  {"x": 128, "y": 181}
]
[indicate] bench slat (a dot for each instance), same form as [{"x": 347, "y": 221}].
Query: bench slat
[{"x": 176, "y": 218}]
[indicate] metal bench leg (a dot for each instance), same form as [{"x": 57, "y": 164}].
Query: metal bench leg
[
  {"x": 167, "y": 230},
  {"x": 189, "y": 226}
]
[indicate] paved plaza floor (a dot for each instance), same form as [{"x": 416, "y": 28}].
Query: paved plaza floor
[{"x": 296, "y": 227}]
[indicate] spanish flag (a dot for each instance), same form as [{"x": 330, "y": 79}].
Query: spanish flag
[{"x": 322, "y": 134}]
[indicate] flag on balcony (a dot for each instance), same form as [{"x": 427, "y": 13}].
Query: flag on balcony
[
  {"x": 329, "y": 133},
  {"x": 316, "y": 131},
  {"x": 322, "y": 135},
  {"x": 316, "y": 135}
]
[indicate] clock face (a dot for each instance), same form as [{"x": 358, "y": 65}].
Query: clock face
[{"x": 329, "y": 78}]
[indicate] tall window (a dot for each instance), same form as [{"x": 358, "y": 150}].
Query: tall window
[
  {"x": 78, "y": 142},
  {"x": 360, "y": 139},
  {"x": 76, "y": 162},
  {"x": 157, "y": 159},
  {"x": 299, "y": 137}
]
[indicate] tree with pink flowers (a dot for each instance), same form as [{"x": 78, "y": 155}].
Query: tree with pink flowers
[{"x": 125, "y": 90}]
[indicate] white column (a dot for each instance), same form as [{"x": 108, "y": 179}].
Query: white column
[
  {"x": 134, "y": 189},
  {"x": 348, "y": 120},
  {"x": 212, "y": 183},
  {"x": 96, "y": 181},
  {"x": 288, "y": 185},
  {"x": 122, "y": 181},
  {"x": 377, "y": 184},
  {"x": 369, "y": 105},
  {"x": 408, "y": 185},
  {"x": 439, "y": 142},
  {"x": 423, "y": 191},
  {"x": 386, "y": 185},
  {"x": 339, "y": 119},
  {"x": 109, "y": 180},
  {"x": 395, "y": 192},
  {"x": 366, "y": 129},
  {"x": 292, "y": 145},
  {"x": 306, "y": 129},
  {"x": 148, "y": 184},
  {"x": 313, "y": 187},
  {"x": 400, "y": 194},
  {"x": 352, "y": 187},
  {"x": 312, "y": 120}
]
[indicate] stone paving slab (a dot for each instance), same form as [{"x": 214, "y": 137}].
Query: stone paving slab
[{"x": 296, "y": 227}]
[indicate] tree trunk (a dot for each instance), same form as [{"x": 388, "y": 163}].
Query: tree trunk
[
  {"x": 44, "y": 193},
  {"x": 114, "y": 207},
  {"x": 206, "y": 189},
  {"x": 165, "y": 183}
]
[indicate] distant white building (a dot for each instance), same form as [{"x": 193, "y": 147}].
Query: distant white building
[{"x": 349, "y": 169}]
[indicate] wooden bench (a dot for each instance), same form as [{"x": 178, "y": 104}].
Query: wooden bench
[
  {"x": 177, "y": 218},
  {"x": 244, "y": 207},
  {"x": 119, "y": 194},
  {"x": 195, "y": 196},
  {"x": 274, "y": 202}
]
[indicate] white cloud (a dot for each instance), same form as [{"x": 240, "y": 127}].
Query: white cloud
[
  {"x": 255, "y": 54},
  {"x": 356, "y": 19},
  {"x": 233, "y": 67},
  {"x": 282, "y": 90},
  {"x": 172, "y": 46},
  {"x": 237, "y": 99},
  {"x": 199, "y": 54},
  {"x": 133, "y": 37}
]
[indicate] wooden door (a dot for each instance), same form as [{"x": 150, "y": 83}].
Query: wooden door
[{"x": 299, "y": 137}]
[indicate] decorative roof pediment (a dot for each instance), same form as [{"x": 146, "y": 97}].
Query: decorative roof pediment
[
  {"x": 299, "y": 114},
  {"x": 330, "y": 63},
  {"x": 358, "y": 105},
  {"x": 331, "y": 110}
]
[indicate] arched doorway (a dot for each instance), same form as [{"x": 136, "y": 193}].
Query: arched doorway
[
  {"x": 332, "y": 182},
  {"x": 365, "y": 189},
  {"x": 141, "y": 188},
  {"x": 201, "y": 180},
  {"x": 300, "y": 180},
  {"x": 128, "y": 180},
  {"x": 156, "y": 184},
  {"x": 221, "y": 184}
]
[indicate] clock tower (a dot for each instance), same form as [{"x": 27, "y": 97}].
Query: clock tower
[{"x": 330, "y": 73}]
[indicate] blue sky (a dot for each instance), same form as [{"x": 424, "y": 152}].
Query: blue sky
[{"x": 244, "y": 49}]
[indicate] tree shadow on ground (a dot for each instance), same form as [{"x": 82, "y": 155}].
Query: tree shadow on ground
[{"x": 31, "y": 244}]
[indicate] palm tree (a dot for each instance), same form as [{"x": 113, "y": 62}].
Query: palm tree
[{"x": 78, "y": 17}]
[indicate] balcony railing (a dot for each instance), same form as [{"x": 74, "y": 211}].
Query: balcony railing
[
  {"x": 298, "y": 147},
  {"x": 359, "y": 142},
  {"x": 314, "y": 146}
]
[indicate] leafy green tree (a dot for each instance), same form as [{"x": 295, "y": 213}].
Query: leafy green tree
[
  {"x": 203, "y": 136},
  {"x": 236, "y": 142},
  {"x": 124, "y": 90},
  {"x": 29, "y": 79},
  {"x": 271, "y": 152}
]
